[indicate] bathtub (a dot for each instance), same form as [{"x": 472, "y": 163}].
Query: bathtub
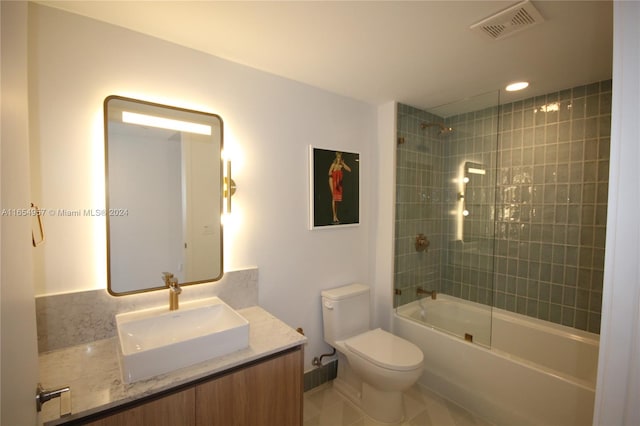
[{"x": 511, "y": 370}]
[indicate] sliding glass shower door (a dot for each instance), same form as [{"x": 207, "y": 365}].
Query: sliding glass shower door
[{"x": 445, "y": 215}]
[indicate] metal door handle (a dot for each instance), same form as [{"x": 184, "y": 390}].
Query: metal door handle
[
  {"x": 40, "y": 225},
  {"x": 64, "y": 393}
]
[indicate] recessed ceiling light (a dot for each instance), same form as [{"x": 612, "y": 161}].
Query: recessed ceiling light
[{"x": 517, "y": 86}]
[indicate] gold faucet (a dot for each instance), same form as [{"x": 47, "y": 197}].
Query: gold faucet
[
  {"x": 431, "y": 293},
  {"x": 174, "y": 290}
]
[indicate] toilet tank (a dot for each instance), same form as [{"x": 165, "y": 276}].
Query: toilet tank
[{"x": 345, "y": 312}]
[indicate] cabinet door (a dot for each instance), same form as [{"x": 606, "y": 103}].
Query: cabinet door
[
  {"x": 177, "y": 409},
  {"x": 266, "y": 394}
]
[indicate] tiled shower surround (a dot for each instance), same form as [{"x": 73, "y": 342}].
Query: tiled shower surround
[{"x": 534, "y": 240}]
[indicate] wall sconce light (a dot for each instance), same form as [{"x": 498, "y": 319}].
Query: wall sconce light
[{"x": 229, "y": 188}]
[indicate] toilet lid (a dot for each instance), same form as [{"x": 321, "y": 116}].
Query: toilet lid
[{"x": 386, "y": 350}]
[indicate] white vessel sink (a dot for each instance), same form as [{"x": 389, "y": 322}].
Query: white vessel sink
[{"x": 156, "y": 341}]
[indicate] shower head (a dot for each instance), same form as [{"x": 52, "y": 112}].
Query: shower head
[{"x": 444, "y": 130}]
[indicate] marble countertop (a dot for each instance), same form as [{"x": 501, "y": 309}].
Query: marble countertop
[{"x": 92, "y": 370}]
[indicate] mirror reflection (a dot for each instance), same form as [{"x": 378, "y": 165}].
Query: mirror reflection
[
  {"x": 477, "y": 203},
  {"x": 164, "y": 195}
]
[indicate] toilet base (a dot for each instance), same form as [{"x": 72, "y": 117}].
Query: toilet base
[
  {"x": 348, "y": 391},
  {"x": 383, "y": 407}
]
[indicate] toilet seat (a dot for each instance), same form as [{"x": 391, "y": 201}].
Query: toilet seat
[{"x": 386, "y": 350}]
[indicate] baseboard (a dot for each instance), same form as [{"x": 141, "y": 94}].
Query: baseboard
[{"x": 318, "y": 376}]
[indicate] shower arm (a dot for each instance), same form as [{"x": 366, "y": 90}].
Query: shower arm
[{"x": 443, "y": 128}]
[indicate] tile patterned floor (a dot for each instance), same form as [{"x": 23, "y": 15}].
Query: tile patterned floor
[{"x": 323, "y": 406}]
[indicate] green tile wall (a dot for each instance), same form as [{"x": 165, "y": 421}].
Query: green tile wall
[
  {"x": 547, "y": 161},
  {"x": 419, "y": 204}
]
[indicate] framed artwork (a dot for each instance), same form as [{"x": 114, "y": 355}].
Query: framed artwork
[{"x": 334, "y": 188}]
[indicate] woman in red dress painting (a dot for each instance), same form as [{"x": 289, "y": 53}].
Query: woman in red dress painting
[{"x": 335, "y": 183}]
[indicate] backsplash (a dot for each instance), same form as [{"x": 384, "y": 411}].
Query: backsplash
[{"x": 72, "y": 319}]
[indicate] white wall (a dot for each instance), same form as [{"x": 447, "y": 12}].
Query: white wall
[
  {"x": 269, "y": 124},
  {"x": 18, "y": 349},
  {"x": 383, "y": 222},
  {"x": 618, "y": 386}
]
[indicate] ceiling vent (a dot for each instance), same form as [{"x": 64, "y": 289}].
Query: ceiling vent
[{"x": 516, "y": 18}]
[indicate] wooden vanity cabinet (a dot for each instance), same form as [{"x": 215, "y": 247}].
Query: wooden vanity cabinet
[
  {"x": 267, "y": 392},
  {"x": 172, "y": 410}
]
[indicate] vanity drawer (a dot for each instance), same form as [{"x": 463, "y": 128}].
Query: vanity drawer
[
  {"x": 268, "y": 393},
  {"x": 172, "y": 410}
]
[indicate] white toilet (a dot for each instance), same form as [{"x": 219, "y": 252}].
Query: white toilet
[{"x": 374, "y": 366}]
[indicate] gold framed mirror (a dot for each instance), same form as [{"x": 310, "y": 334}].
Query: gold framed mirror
[{"x": 164, "y": 195}]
